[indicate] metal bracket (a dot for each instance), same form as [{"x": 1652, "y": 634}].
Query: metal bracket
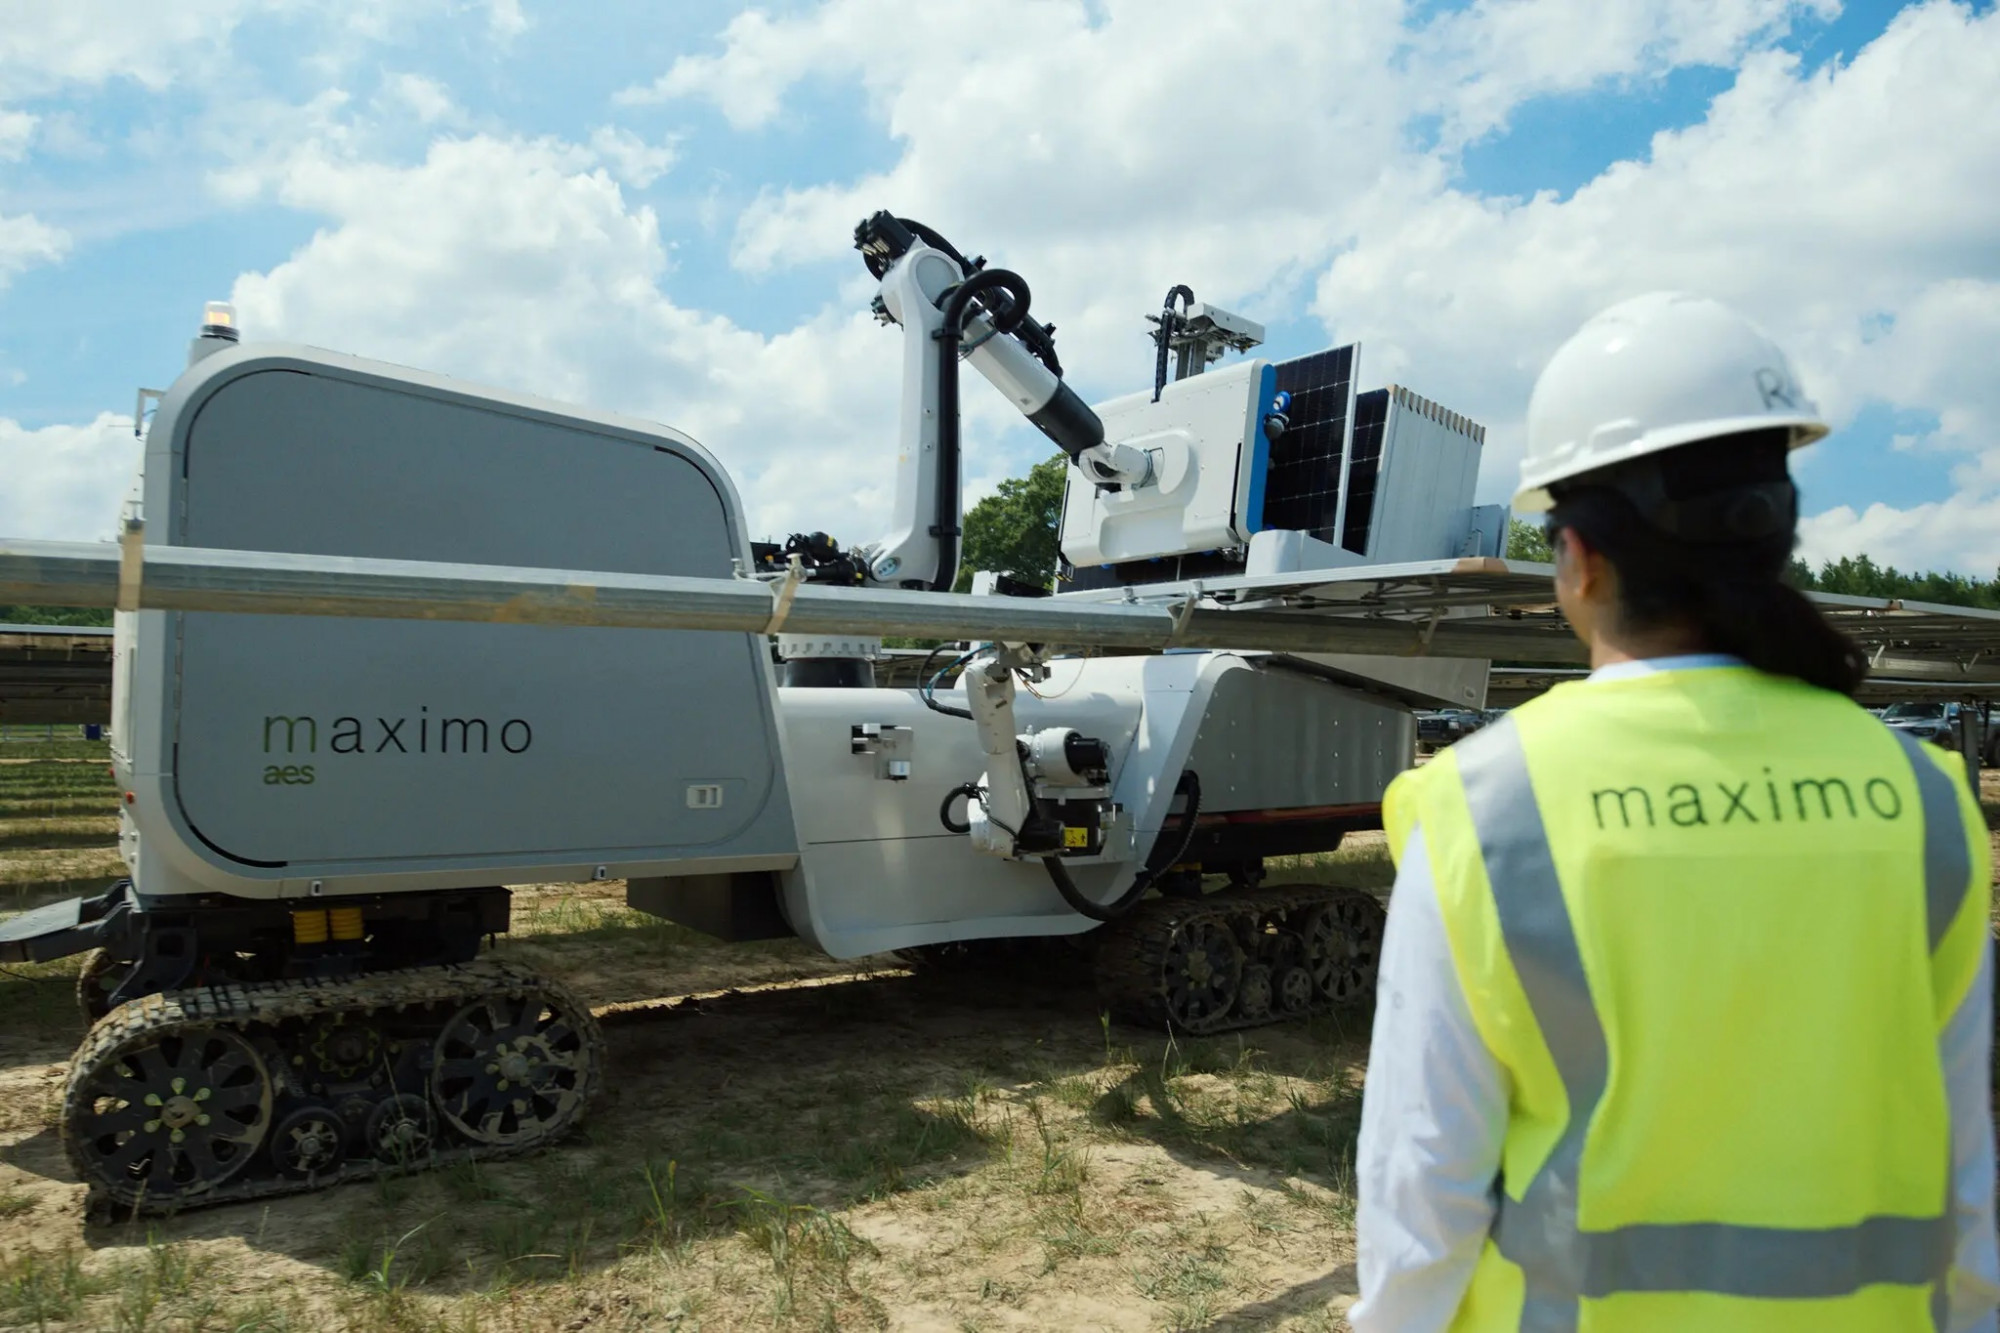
[
  {"x": 139, "y": 409},
  {"x": 1430, "y": 628},
  {"x": 131, "y": 563},
  {"x": 1184, "y": 613},
  {"x": 782, "y": 594}
]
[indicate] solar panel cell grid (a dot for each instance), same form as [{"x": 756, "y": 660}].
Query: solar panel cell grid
[
  {"x": 1302, "y": 484},
  {"x": 1371, "y": 414}
]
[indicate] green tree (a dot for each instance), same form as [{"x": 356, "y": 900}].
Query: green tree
[
  {"x": 1527, "y": 541},
  {"x": 1860, "y": 576},
  {"x": 1014, "y": 531},
  {"x": 55, "y": 615}
]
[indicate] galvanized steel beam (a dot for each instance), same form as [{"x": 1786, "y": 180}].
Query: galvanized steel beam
[{"x": 177, "y": 578}]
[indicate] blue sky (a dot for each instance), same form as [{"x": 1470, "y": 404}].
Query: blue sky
[{"x": 646, "y": 207}]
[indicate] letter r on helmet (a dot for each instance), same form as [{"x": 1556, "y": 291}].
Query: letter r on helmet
[{"x": 1776, "y": 388}]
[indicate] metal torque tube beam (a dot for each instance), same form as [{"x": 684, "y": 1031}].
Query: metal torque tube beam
[
  {"x": 181, "y": 578},
  {"x": 1915, "y": 642}
]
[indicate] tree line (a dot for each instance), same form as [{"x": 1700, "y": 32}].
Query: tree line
[{"x": 1852, "y": 575}]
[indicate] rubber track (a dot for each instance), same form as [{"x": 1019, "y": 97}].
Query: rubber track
[
  {"x": 1132, "y": 952},
  {"x": 251, "y": 1005}
]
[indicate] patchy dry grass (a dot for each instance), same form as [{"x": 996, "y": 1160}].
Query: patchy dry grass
[
  {"x": 804, "y": 1145},
  {"x": 89, "y": 830},
  {"x": 58, "y": 821},
  {"x": 1361, "y": 863},
  {"x": 885, "y": 1151}
]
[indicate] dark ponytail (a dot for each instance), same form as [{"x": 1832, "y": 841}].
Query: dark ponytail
[{"x": 1674, "y": 525}]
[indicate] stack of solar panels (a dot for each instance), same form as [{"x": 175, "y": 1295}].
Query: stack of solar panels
[
  {"x": 1302, "y": 483},
  {"x": 1364, "y": 472}
]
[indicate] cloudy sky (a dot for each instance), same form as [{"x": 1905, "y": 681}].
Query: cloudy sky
[{"x": 647, "y": 206}]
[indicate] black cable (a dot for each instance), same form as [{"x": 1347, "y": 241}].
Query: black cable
[
  {"x": 925, "y": 687},
  {"x": 1169, "y": 321},
  {"x": 1190, "y": 786},
  {"x": 937, "y": 242},
  {"x": 945, "y": 520},
  {"x": 970, "y": 791}
]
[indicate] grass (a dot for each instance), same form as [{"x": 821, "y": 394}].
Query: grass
[
  {"x": 1190, "y": 1277},
  {"x": 37, "y": 1288},
  {"x": 19, "y": 741},
  {"x": 789, "y": 1159},
  {"x": 812, "y": 1254},
  {"x": 1026, "y": 1173},
  {"x": 754, "y": 1210},
  {"x": 66, "y": 831},
  {"x": 1362, "y": 862},
  {"x": 39, "y": 1000},
  {"x": 38, "y": 873},
  {"x": 58, "y": 820}
]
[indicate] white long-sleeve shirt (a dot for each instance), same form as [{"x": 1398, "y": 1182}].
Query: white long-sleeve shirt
[{"x": 1434, "y": 1118}]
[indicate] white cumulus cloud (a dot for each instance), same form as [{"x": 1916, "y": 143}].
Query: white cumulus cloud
[
  {"x": 520, "y": 263},
  {"x": 1296, "y": 158},
  {"x": 1828, "y": 206},
  {"x": 64, "y": 483},
  {"x": 635, "y": 162},
  {"x": 17, "y": 129},
  {"x": 26, "y": 242},
  {"x": 1832, "y": 205},
  {"x": 46, "y": 45}
]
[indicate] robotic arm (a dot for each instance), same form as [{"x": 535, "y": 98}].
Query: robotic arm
[{"x": 950, "y": 308}]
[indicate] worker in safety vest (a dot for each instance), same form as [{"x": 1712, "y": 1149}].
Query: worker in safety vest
[{"x": 1685, "y": 1010}]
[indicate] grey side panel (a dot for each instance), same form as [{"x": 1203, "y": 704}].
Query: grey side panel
[
  {"x": 1452, "y": 682},
  {"x": 1273, "y": 740},
  {"x": 1423, "y": 498},
  {"x": 391, "y": 747}
]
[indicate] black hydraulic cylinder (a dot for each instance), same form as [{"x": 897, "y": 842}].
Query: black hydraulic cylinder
[{"x": 1068, "y": 420}]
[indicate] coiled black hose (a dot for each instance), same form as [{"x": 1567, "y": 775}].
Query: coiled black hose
[
  {"x": 1169, "y": 321},
  {"x": 957, "y": 307},
  {"x": 1189, "y": 786},
  {"x": 970, "y": 791}
]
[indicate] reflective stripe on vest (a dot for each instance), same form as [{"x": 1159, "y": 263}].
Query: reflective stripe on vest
[{"x": 1562, "y": 1264}]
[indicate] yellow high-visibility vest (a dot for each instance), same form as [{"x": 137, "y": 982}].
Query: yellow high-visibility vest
[{"x": 1712, "y": 923}]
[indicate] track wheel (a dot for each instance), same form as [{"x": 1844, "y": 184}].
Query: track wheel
[
  {"x": 1292, "y": 989},
  {"x": 1201, "y": 974},
  {"x": 166, "y": 1116},
  {"x": 517, "y": 1068},
  {"x": 1343, "y": 946},
  {"x": 308, "y": 1142},
  {"x": 101, "y": 974},
  {"x": 1253, "y": 999},
  {"x": 401, "y": 1131}
]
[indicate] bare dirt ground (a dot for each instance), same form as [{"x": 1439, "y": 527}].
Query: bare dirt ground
[
  {"x": 787, "y": 1142},
  {"x": 803, "y": 1144},
  {"x": 818, "y": 1149}
]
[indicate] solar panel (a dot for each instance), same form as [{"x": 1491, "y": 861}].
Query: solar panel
[
  {"x": 1302, "y": 482},
  {"x": 1371, "y": 414}
]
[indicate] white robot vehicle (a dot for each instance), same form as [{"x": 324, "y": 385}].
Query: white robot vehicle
[{"x": 318, "y": 815}]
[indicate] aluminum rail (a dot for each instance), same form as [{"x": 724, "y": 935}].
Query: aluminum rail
[{"x": 182, "y": 578}]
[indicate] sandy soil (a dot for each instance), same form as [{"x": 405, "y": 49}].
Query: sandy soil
[
  {"x": 788, "y": 1142},
  {"x": 837, "y": 1150}
]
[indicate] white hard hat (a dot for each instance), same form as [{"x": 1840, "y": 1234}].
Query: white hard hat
[{"x": 1651, "y": 373}]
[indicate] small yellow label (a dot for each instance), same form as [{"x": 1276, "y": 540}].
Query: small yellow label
[{"x": 1076, "y": 837}]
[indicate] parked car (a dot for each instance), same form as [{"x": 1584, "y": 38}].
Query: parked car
[
  {"x": 1924, "y": 721},
  {"x": 1445, "y": 725},
  {"x": 1938, "y": 724}
]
